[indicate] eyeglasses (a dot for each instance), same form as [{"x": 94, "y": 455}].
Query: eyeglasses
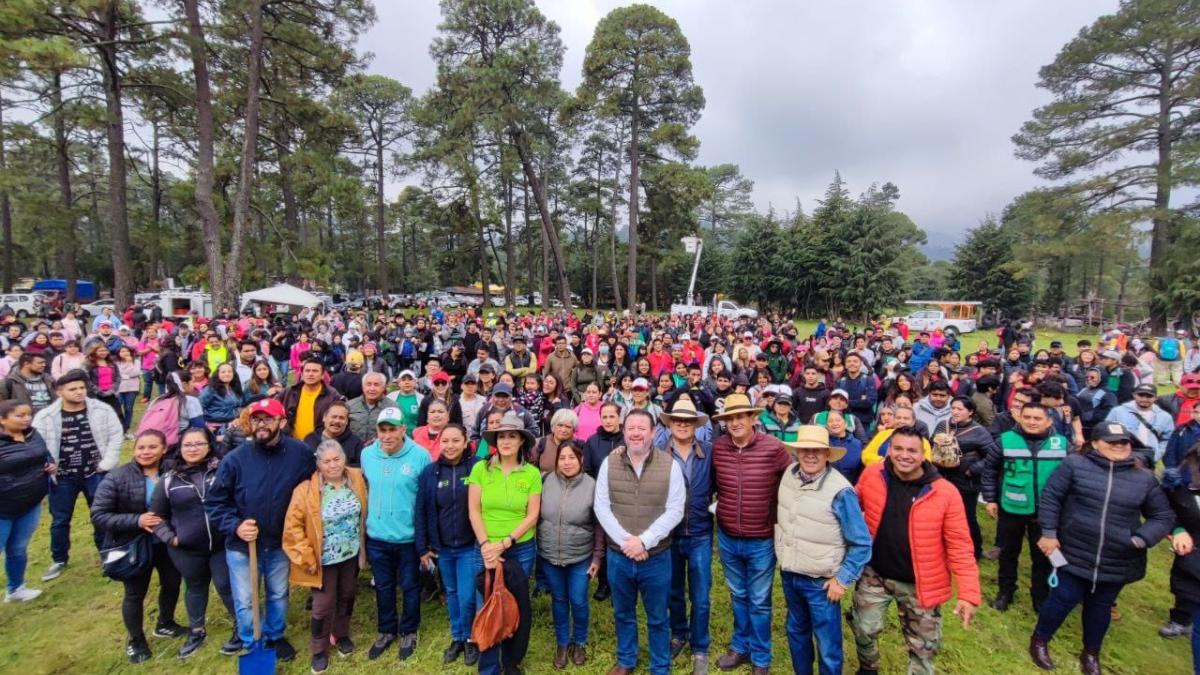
[
  {"x": 261, "y": 421},
  {"x": 198, "y": 444}
]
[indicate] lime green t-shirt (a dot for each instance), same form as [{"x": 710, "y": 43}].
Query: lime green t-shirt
[{"x": 505, "y": 499}]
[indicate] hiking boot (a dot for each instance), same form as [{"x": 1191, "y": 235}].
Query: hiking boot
[
  {"x": 137, "y": 650},
  {"x": 194, "y": 642},
  {"x": 677, "y": 646},
  {"x": 169, "y": 629},
  {"x": 602, "y": 593},
  {"x": 453, "y": 651},
  {"x": 760, "y": 670},
  {"x": 1089, "y": 661},
  {"x": 320, "y": 663},
  {"x": 233, "y": 645},
  {"x": 471, "y": 654},
  {"x": 699, "y": 664},
  {"x": 384, "y": 641},
  {"x": 1174, "y": 629},
  {"x": 25, "y": 594},
  {"x": 408, "y": 645},
  {"x": 577, "y": 654},
  {"x": 345, "y": 646},
  {"x": 560, "y": 658},
  {"x": 1039, "y": 651},
  {"x": 284, "y": 651},
  {"x": 54, "y": 571},
  {"x": 1001, "y": 602},
  {"x": 732, "y": 660}
]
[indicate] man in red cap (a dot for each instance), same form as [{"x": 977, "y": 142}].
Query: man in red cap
[
  {"x": 1180, "y": 403},
  {"x": 247, "y": 504}
]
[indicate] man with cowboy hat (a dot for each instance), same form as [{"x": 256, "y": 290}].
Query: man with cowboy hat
[
  {"x": 747, "y": 466},
  {"x": 823, "y": 544},
  {"x": 691, "y": 543}
]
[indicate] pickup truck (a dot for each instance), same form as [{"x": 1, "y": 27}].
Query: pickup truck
[
  {"x": 725, "y": 309},
  {"x": 930, "y": 319}
]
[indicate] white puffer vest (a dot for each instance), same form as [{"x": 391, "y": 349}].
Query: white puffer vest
[{"x": 808, "y": 537}]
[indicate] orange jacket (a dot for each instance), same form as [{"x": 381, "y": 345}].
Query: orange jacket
[
  {"x": 937, "y": 534},
  {"x": 303, "y": 531}
]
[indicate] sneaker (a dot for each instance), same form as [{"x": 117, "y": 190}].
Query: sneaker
[
  {"x": 25, "y": 594},
  {"x": 454, "y": 651},
  {"x": 233, "y": 645},
  {"x": 284, "y": 651},
  {"x": 408, "y": 645},
  {"x": 129, "y": 437},
  {"x": 345, "y": 646},
  {"x": 54, "y": 571},
  {"x": 677, "y": 646},
  {"x": 384, "y": 641},
  {"x": 1001, "y": 602},
  {"x": 1174, "y": 629},
  {"x": 169, "y": 629},
  {"x": 699, "y": 664},
  {"x": 137, "y": 650},
  {"x": 194, "y": 642},
  {"x": 470, "y": 654},
  {"x": 320, "y": 663}
]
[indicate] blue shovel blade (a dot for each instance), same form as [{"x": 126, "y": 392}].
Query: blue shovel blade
[{"x": 260, "y": 660}]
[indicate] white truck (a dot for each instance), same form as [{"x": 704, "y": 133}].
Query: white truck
[
  {"x": 954, "y": 318},
  {"x": 726, "y": 309}
]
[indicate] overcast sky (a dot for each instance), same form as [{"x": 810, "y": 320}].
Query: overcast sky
[{"x": 924, "y": 93}]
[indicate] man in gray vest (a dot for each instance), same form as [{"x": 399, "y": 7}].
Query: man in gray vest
[
  {"x": 640, "y": 496},
  {"x": 822, "y": 544}
]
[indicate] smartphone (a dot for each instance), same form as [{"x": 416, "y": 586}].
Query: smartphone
[{"x": 1058, "y": 559}]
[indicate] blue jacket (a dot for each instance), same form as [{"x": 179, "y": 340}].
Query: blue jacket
[
  {"x": 921, "y": 354},
  {"x": 257, "y": 482},
  {"x": 218, "y": 408},
  {"x": 392, "y": 498},
  {"x": 442, "y": 519},
  {"x": 697, "y": 477},
  {"x": 1183, "y": 438},
  {"x": 863, "y": 394},
  {"x": 851, "y": 464}
]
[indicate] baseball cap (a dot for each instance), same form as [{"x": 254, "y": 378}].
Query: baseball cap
[
  {"x": 440, "y": 376},
  {"x": 784, "y": 398},
  {"x": 502, "y": 389},
  {"x": 641, "y": 383},
  {"x": 1110, "y": 354},
  {"x": 406, "y": 373},
  {"x": 839, "y": 392},
  {"x": 471, "y": 378},
  {"x": 267, "y": 406},
  {"x": 1055, "y": 344},
  {"x": 1112, "y": 431},
  {"x": 1190, "y": 380},
  {"x": 1145, "y": 389},
  {"x": 354, "y": 358},
  {"x": 747, "y": 334},
  {"x": 391, "y": 416}
]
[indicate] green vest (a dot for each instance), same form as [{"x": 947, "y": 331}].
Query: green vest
[
  {"x": 1026, "y": 471},
  {"x": 786, "y": 431}
]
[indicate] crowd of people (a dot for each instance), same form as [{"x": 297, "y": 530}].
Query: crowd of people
[{"x": 444, "y": 451}]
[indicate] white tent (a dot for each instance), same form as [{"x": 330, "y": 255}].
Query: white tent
[{"x": 281, "y": 294}]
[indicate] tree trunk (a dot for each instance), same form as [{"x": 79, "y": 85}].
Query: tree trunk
[
  {"x": 653, "y": 283},
  {"x": 634, "y": 152},
  {"x": 156, "y": 199},
  {"x": 484, "y": 276},
  {"x": 207, "y": 209},
  {"x": 380, "y": 243},
  {"x": 115, "y": 130},
  {"x": 1162, "y": 233},
  {"x": 612, "y": 224},
  {"x": 5, "y": 212},
  {"x": 67, "y": 245},
  {"x": 529, "y": 266},
  {"x": 510, "y": 252},
  {"x": 241, "y": 206},
  {"x": 539, "y": 196},
  {"x": 287, "y": 190}
]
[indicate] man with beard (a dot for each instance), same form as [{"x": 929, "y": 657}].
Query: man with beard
[{"x": 248, "y": 503}]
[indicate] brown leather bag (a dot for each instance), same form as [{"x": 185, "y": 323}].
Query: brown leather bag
[{"x": 499, "y": 617}]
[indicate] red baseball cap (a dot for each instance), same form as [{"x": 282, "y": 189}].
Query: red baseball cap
[
  {"x": 1190, "y": 380},
  {"x": 440, "y": 376},
  {"x": 267, "y": 406}
]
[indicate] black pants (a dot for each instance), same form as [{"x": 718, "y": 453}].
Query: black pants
[
  {"x": 971, "y": 504},
  {"x": 133, "y": 606},
  {"x": 1012, "y": 531},
  {"x": 512, "y": 651},
  {"x": 198, "y": 569}
]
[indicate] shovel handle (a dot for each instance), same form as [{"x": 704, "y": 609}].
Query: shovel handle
[{"x": 254, "y": 590}]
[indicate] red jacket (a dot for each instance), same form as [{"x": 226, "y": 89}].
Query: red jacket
[
  {"x": 693, "y": 352},
  {"x": 660, "y": 362},
  {"x": 937, "y": 535},
  {"x": 747, "y": 484}
]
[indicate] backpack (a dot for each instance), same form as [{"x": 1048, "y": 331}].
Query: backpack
[
  {"x": 1168, "y": 349},
  {"x": 162, "y": 415}
]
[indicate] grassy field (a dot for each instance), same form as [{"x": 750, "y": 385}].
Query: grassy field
[{"x": 75, "y": 626}]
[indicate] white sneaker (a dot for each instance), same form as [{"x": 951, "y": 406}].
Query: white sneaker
[
  {"x": 22, "y": 594},
  {"x": 54, "y": 571}
]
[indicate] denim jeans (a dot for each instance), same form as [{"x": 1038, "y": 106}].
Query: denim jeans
[
  {"x": 652, "y": 579},
  {"x": 395, "y": 565},
  {"x": 128, "y": 398},
  {"x": 691, "y": 565},
  {"x": 15, "y": 533},
  {"x": 147, "y": 383},
  {"x": 1070, "y": 591},
  {"x": 63, "y": 496},
  {"x": 524, "y": 553},
  {"x": 568, "y": 600},
  {"x": 273, "y": 568},
  {"x": 284, "y": 367},
  {"x": 810, "y": 614},
  {"x": 749, "y": 566},
  {"x": 458, "y": 567}
]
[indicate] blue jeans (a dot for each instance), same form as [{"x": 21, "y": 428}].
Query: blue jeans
[
  {"x": 395, "y": 565},
  {"x": 458, "y": 567},
  {"x": 283, "y": 367},
  {"x": 568, "y": 600},
  {"x": 524, "y": 553},
  {"x": 15, "y": 533},
  {"x": 810, "y": 614},
  {"x": 147, "y": 383},
  {"x": 128, "y": 398},
  {"x": 63, "y": 496},
  {"x": 273, "y": 568},
  {"x": 691, "y": 564},
  {"x": 651, "y": 578},
  {"x": 749, "y": 566},
  {"x": 1070, "y": 591}
]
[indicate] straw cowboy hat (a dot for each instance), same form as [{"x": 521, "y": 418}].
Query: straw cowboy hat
[
  {"x": 736, "y": 404},
  {"x": 683, "y": 411},
  {"x": 810, "y": 436},
  {"x": 511, "y": 421}
]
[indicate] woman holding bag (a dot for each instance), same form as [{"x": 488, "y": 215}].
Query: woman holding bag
[
  {"x": 323, "y": 536},
  {"x": 121, "y": 510}
]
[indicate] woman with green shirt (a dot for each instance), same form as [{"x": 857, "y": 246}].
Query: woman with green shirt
[{"x": 504, "y": 496}]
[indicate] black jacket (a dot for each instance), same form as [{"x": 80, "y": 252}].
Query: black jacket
[
  {"x": 598, "y": 447},
  {"x": 351, "y": 444},
  {"x": 1105, "y": 516},
  {"x": 23, "y": 479},
  {"x": 119, "y": 501},
  {"x": 441, "y": 517},
  {"x": 179, "y": 501},
  {"x": 1185, "y": 501},
  {"x": 975, "y": 443},
  {"x": 290, "y": 398}
]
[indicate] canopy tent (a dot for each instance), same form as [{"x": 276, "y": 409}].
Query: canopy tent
[{"x": 281, "y": 294}]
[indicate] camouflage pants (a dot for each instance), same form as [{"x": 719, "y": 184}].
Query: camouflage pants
[{"x": 922, "y": 627}]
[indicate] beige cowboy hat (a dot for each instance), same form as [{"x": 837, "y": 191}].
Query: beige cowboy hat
[
  {"x": 511, "y": 421},
  {"x": 736, "y": 404},
  {"x": 810, "y": 436},
  {"x": 683, "y": 411}
]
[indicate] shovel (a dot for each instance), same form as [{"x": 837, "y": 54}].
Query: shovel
[{"x": 260, "y": 660}]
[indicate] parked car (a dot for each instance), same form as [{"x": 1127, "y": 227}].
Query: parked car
[
  {"x": 958, "y": 320},
  {"x": 725, "y": 308},
  {"x": 97, "y": 307},
  {"x": 23, "y": 304}
]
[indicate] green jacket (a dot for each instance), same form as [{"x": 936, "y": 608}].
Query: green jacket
[
  {"x": 1024, "y": 470},
  {"x": 784, "y": 430}
]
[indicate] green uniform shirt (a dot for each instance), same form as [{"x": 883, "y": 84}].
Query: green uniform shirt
[{"x": 504, "y": 500}]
